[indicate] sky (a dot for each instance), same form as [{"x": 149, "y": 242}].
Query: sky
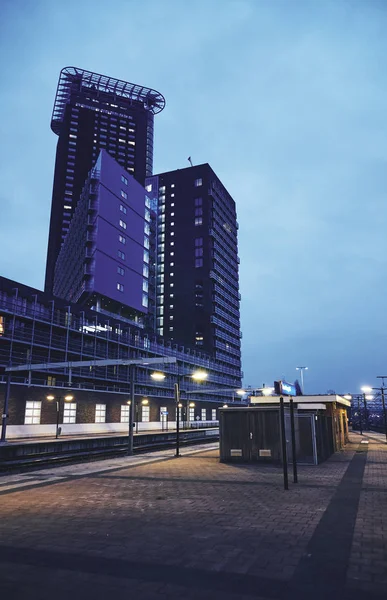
[{"x": 286, "y": 100}]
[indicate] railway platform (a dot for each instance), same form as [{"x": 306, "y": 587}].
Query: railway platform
[{"x": 155, "y": 527}]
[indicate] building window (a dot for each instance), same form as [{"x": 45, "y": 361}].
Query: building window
[
  {"x": 124, "y": 195},
  {"x": 122, "y": 224},
  {"x": 198, "y": 182},
  {"x": 145, "y": 414},
  {"x": 124, "y": 180},
  {"x": 172, "y": 185},
  {"x": 122, "y": 239},
  {"x": 1, "y": 325},
  {"x": 145, "y": 300},
  {"x": 146, "y": 256},
  {"x": 204, "y": 415},
  {"x": 171, "y": 329},
  {"x": 120, "y": 271},
  {"x": 145, "y": 270},
  {"x": 198, "y": 262},
  {"x": 148, "y": 187},
  {"x": 191, "y": 416},
  {"x": 120, "y": 287},
  {"x": 70, "y": 412},
  {"x": 213, "y": 414},
  {"x": 198, "y": 211},
  {"x": 146, "y": 242},
  {"x": 124, "y": 413},
  {"x": 172, "y": 224},
  {"x": 123, "y": 209},
  {"x": 198, "y": 252},
  {"x": 199, "y": 339},
  {"x": 121, "y": 255},
  {"x": 100, "y": 413},
  {"x": 32, "y": 414},
  {"x": 198, "y": 220},
  {"x": 198, "y": 201}
]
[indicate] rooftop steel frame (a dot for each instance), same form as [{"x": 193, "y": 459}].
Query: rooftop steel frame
[{"x": 152, "y": 100}]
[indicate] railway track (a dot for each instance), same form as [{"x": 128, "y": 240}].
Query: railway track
[{"x": 38, "y": 460}]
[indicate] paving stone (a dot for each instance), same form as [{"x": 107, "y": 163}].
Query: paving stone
[{"x": 188, "y": 528}]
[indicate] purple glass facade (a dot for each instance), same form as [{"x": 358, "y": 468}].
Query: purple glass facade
[{"x": 104, "y": 258}]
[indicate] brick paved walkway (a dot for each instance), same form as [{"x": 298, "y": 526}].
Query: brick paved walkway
[{"x": 193, "y": 528}]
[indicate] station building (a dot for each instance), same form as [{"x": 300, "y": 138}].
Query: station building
[{"x": 37, "y": 328}]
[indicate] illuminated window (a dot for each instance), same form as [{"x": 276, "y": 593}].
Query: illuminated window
[
  {"x": 124, "y": 180},
  {"x": 121, "y": 255},
  {"x": 145, "y": 414},
  {"x": 120, "y": 271},
  {"x": 148, "y": 187},
  {"x": 32, "y": 414},
  {"x": 122, "y": 224},
  {"x": 125, "y": 413},
  {"x": 198, "y": 220},
  {"x": 120, "y": 287},
  {"x": 191, "y": 415},
  {"x": 204, "y": 414},
  {"x": 100, "y": 413},
  {"x": 123, "y": 209},
  {"x": 122, "y": 239},
  {"x": 198, "y": 182},
  {"x": 213, "y": 414},
  {"x": 124, "y": 194},
  {"x": 70, "y": 412},
  {"x": 145, "y": 299},
  {"x": 198, "y": 262},
  {"x": 1, "y": 325}
]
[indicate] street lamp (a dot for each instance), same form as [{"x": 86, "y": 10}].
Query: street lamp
[
  {"x": 157, "y": 376},
  {"x": 382, "y": 390},
  {"x": 366, "y": 389},
  {"x": 198, "y": 375},
  {"x": 67, "y": 398},
  {"x": 144, "y": 402},
  {"x": 302, "y": 369}
]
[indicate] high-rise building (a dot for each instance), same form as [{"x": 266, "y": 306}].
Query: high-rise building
[
  {"x": 198, "y": 300},
  {"x": 104, "y": 260},
  {"x": 92, "y": 112}
]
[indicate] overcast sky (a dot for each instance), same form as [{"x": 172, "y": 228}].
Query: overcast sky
[{"x": 286, "y": 100}]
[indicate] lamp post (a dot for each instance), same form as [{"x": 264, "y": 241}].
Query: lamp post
[
  {"x": 366, "y": 389},
  {"x": 302, "y": 369},
  {"x": 383, "y": 377},
  {"x": 67, "y": 398},
  {"x": 144, "y": 402},
  {"x": 198, "y": 375}
]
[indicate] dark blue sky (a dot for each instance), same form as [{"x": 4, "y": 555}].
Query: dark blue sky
[{"x": 286, "y": 101}]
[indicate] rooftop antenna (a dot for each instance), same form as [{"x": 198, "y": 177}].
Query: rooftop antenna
[{"x": 190, "y": 161}]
